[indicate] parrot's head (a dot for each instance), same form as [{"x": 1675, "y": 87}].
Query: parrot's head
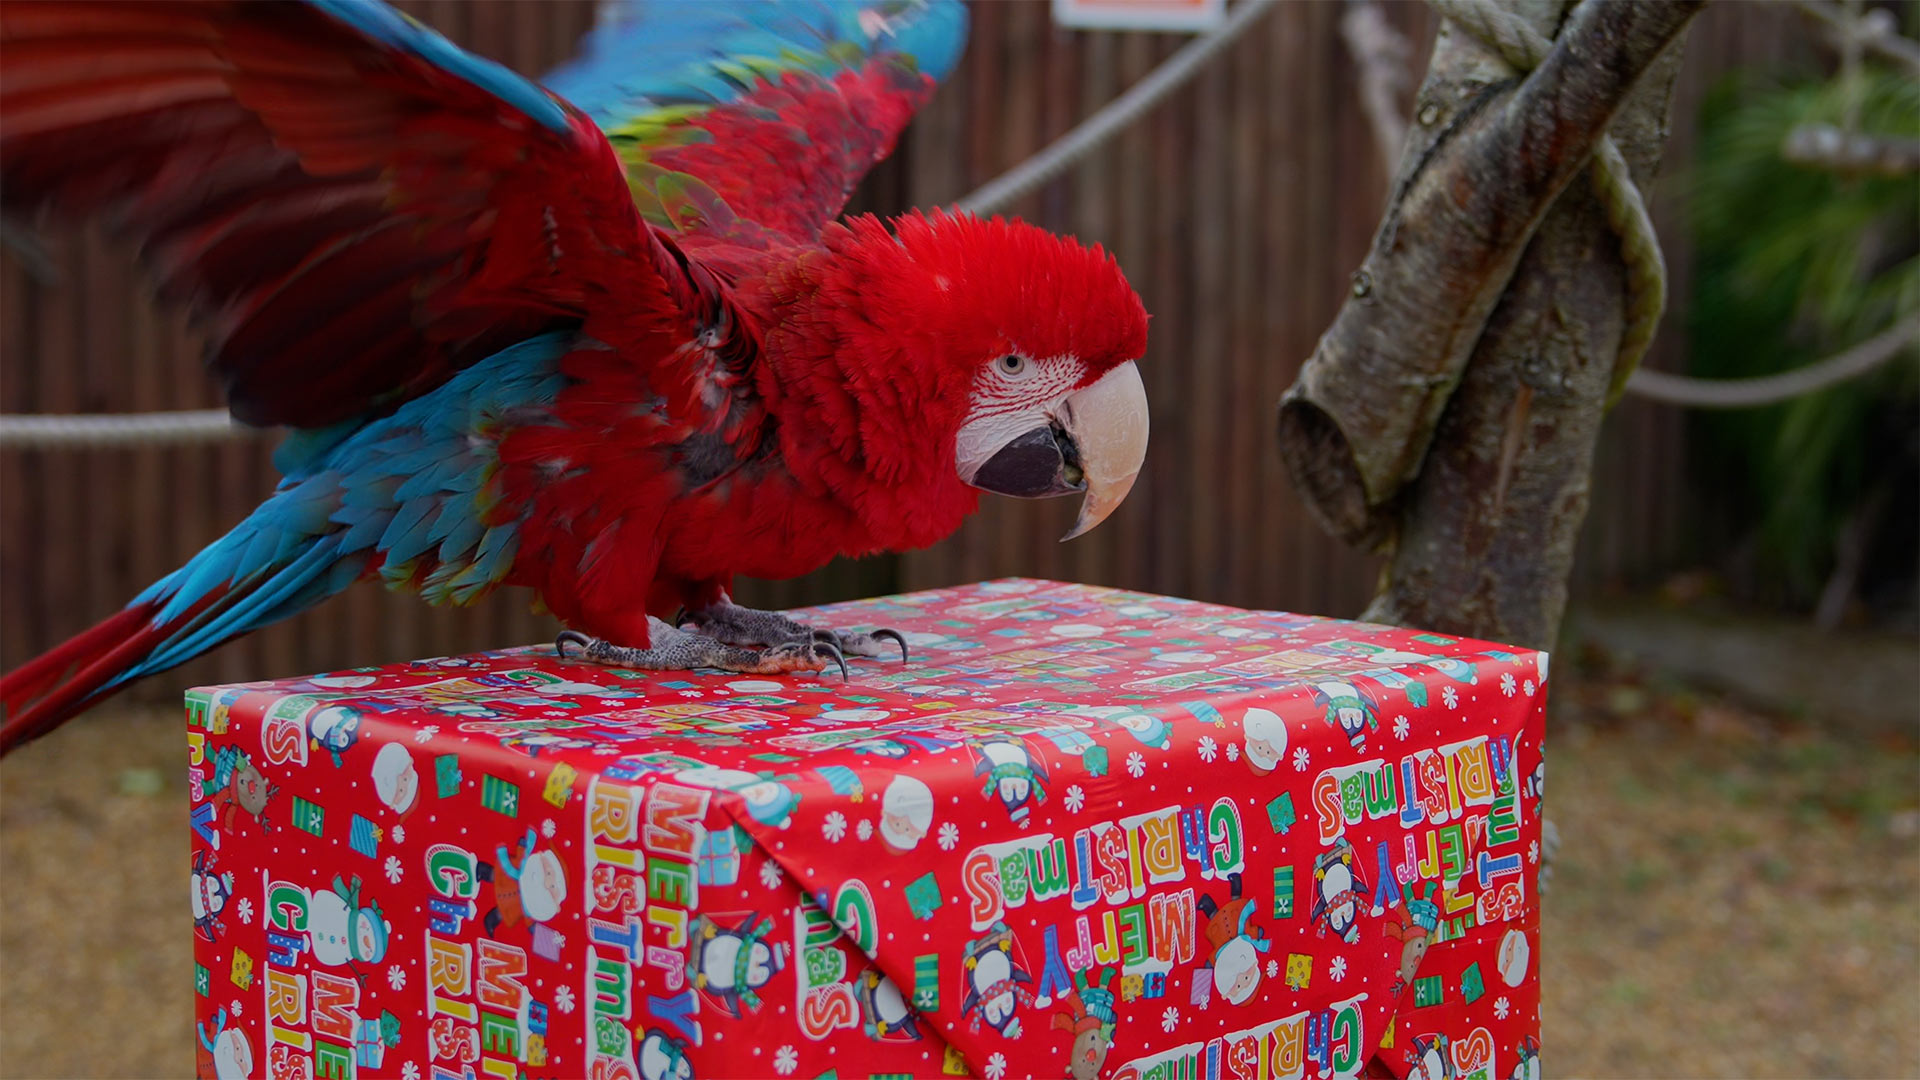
[{"x": 1010, "y": 350}]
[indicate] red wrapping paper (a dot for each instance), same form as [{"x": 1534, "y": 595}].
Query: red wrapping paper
[{"x": 1084, "y": 832}]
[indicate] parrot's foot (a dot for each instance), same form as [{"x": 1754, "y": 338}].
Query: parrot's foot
[
  {"x": 736, "y": 625},
  {"x": 677, "y": 650}
]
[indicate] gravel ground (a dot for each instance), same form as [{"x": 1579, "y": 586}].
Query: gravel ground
[{"x": 1737, "y": 893}]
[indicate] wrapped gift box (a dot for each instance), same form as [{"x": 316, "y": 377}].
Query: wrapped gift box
[{"x": 1084, "y": 832}]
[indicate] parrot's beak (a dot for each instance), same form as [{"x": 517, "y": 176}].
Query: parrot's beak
[
  {"x": 1107, "y": 422},
  {"x": 1095, "y": 442}
]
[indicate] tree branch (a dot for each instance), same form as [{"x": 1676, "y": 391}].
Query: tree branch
[
  {"x": 1480, "y": 173},
  {"x": 1483, "y": 538}
]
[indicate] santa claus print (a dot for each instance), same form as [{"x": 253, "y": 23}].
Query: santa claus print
[
  {"x": 528, "y": 885},
  {"x": 223, "y": 1052},
  {"x": 395, "y": 780},
  {"x": 906, "y": 813},
  {"x": 1266, "y": 740},
  {"x": 1236, "y": 946}
]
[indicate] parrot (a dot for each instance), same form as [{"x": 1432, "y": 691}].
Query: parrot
[{"x": 606, "y": 336}]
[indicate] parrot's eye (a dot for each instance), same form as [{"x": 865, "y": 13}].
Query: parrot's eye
[{"x": 1012, "y": 365}]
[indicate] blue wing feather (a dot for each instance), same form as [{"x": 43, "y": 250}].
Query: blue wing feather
[
  {"x": 650, "y": 53},
  {"x": 363, "y": 500},
  {"x": 665, "y": 79},
  {"x": 400, "y": 31}
]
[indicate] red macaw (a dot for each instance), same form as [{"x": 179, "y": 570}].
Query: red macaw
[{"x": 604, "y": 339}]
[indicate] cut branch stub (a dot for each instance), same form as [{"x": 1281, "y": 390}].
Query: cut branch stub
[{"x": 1487, "y": 162}]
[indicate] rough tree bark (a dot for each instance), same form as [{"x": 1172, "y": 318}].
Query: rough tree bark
[{"x": 1448, "y": 417}]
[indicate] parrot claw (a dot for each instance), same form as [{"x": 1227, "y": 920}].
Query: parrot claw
[
  {"x": 798, "y": 656},
  {"x": 681, "y": 650},
  {"x": 575, "y": 637},
  {"x": 898, "y": 639},
  {"x": 736, "y": 625},
  {"x": 832, "y": 650}
]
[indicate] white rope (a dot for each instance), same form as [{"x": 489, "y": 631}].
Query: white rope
[
  {"x": 18, "y": 432},
  {"x": 1115, "y": 116},
  {"x": 124, "y": 429},
  {"x": 1773, "y": 389}
]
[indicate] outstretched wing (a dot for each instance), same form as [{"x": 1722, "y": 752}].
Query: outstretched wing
[
  {"x": 353, "y": 207},
  {"x": 748, "y": 122}
]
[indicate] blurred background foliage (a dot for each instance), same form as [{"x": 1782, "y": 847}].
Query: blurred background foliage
[{"x": 1796, "y": 262}]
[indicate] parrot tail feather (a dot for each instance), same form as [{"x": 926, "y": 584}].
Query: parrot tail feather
[
  {"x": 162, "y": 629},
  {"x": 48, "y": 690}
]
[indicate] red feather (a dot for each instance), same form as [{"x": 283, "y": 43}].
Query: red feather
[
  {"x": 255, "y": 148},
  {"x": 353, "y": 226},
  {"x": 52, "y": 688}
]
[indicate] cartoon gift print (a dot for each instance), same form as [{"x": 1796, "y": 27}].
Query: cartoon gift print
[
  {"x": 528, "y": 885},
  {"x": 211, "y": 893},
  {"x": 240, "y": 787},
  {"x": 843, "y": 781},
  {"x": 1090, "y": 1018},
  {"x": 731, "y": 965},
  {"x": 1339, "y": 893},
  {"x": 374, "y": 1037},
  {"x": 335, "y": 729},
  {"x": 223, "y": 1052},
  {"x": 345, "y": 932},
  {"x": 1413, "y": 926},
  {"x": 395, "y": 780},
  {"x": 1151, "y": 731},
  {"x": 535, "y": 743},
  {"x": 1266, "y": 741},
  {"x": 1013, "y": 776},
  {"x": 1199, "y": 908},
  {"x": 1348, "y": 709},
  {"x": 663, "y": 1057},
  {"x": 1526, "y": 1065},
  {"x": 884, "y": 1012},
  {"x": 997, "y": 984},
  {"x": 906, "y": 813},
  {"x": 1236, "y": 951},
  {"x": 1460, "y": 671},
  {"x": 1430, "y": 1059},
  {"x": 769, "y": 801},
  {"x": 1535, "y": 788}
]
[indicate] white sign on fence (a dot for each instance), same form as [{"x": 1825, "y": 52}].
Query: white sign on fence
[{"x": 1140, "y": 14}]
